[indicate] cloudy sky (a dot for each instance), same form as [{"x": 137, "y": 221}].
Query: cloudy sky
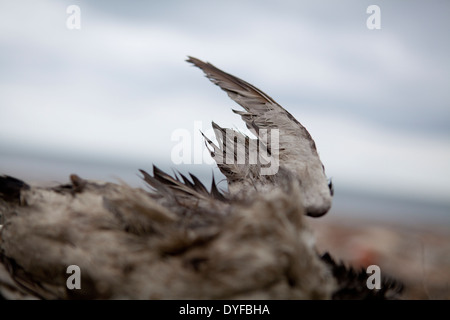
[{"x": 112, "y": 93}]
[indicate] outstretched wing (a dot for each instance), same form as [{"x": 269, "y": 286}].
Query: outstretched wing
[
  {"x": 294, "y": 147},
  {"x": 262, "y": 112}
]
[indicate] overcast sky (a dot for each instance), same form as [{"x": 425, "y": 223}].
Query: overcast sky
[{"x": 377, "y": 102}]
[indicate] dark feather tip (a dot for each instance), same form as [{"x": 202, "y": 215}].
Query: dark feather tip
[{"x": 10, "y": 188}]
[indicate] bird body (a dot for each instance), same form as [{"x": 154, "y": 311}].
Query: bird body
[
  {"x": 128, "y": 244},
  {"x": 179, "y": 240}
]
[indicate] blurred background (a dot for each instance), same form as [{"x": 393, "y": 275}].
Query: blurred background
[{"x": 104, "y": 100}]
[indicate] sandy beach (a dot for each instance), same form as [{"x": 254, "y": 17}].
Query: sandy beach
[{"x": 418, "y": 256}]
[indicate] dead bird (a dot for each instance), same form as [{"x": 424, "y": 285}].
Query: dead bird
[{"x": 181, "y": 240}]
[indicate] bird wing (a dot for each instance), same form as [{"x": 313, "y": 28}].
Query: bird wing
[{"x": 289, "y": 143}]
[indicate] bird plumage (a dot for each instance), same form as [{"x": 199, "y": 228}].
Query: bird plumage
[
  {"x": 178, "y": 240},
  {"x": 296, "y": 150},
  {"x": 129, "y": 243}
]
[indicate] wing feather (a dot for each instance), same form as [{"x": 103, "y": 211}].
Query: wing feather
[{"x": 293, "y": 146}]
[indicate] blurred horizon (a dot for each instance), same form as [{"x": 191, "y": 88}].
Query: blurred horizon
[
  {"x": 104, "y": 101},
  {"x": 347, "y": 203}
]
